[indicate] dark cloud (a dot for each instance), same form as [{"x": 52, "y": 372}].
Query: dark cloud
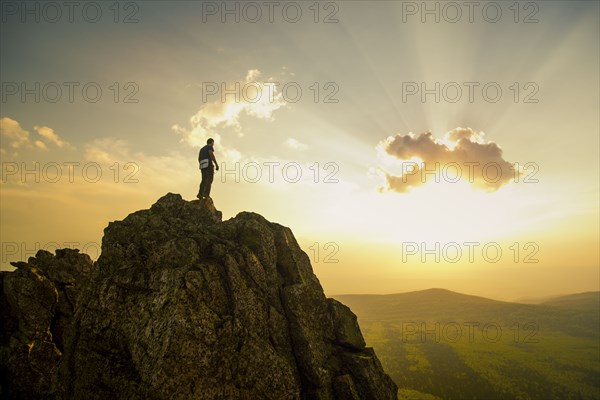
[{"x": 462, "y": 155}]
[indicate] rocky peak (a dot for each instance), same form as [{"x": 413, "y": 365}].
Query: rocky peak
[{"x": 182, "y": 305}]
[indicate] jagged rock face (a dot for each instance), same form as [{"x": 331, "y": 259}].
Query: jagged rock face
[
  {"x": 37, "y": 302},
  {"x": 183, "y": 306}
]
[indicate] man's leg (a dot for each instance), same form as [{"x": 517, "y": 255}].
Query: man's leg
[
  {"x": 201, "y": 192},
  {"x": 210, "y": 174}
]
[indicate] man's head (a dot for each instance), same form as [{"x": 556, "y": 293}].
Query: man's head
[{"x": 210, "y": 142}]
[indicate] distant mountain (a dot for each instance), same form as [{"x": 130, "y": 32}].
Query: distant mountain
[
  {"x": 445, "y": 306},
  {"x": 588, "y": 301},
  {"x": 422, "y": 303},
  {"x": 532, "y": 300},
  {"x": 450, "y": 345}
]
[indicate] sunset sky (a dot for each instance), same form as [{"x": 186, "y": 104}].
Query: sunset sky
[{"x": 338, "y": 104}]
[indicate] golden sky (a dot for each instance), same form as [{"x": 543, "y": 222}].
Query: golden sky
[{"x": 407, "y": 148}]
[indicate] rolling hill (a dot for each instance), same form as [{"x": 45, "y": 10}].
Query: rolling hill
[
  {"x": 588, "y": 301},
  {"x": 439, "y": 343}
]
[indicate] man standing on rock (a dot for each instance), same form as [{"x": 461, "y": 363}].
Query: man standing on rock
[{"x": 206, "y": 158}]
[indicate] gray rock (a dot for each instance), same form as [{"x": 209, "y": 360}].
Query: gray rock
[
  {"x": 37, "y": 301},
  {"x": 181, "y": 305}
]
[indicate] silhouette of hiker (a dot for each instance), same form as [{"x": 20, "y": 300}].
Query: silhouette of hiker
[{"x": 206, "y": 159}]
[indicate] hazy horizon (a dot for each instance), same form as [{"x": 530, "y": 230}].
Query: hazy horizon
[{"x": 524, "y": 300}]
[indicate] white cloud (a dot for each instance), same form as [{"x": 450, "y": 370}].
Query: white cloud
[
  {"x": 252, "y": 97},
  {"x": 51, "y": 137},
  {"x": 17, "y": 136},
  {"x": 469, "y": 156},
  {"x": 107, "y": 150},
  {"x": 295, "y": 144}
]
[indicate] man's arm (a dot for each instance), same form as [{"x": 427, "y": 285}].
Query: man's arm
[{"x": 212, "y": 157}]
